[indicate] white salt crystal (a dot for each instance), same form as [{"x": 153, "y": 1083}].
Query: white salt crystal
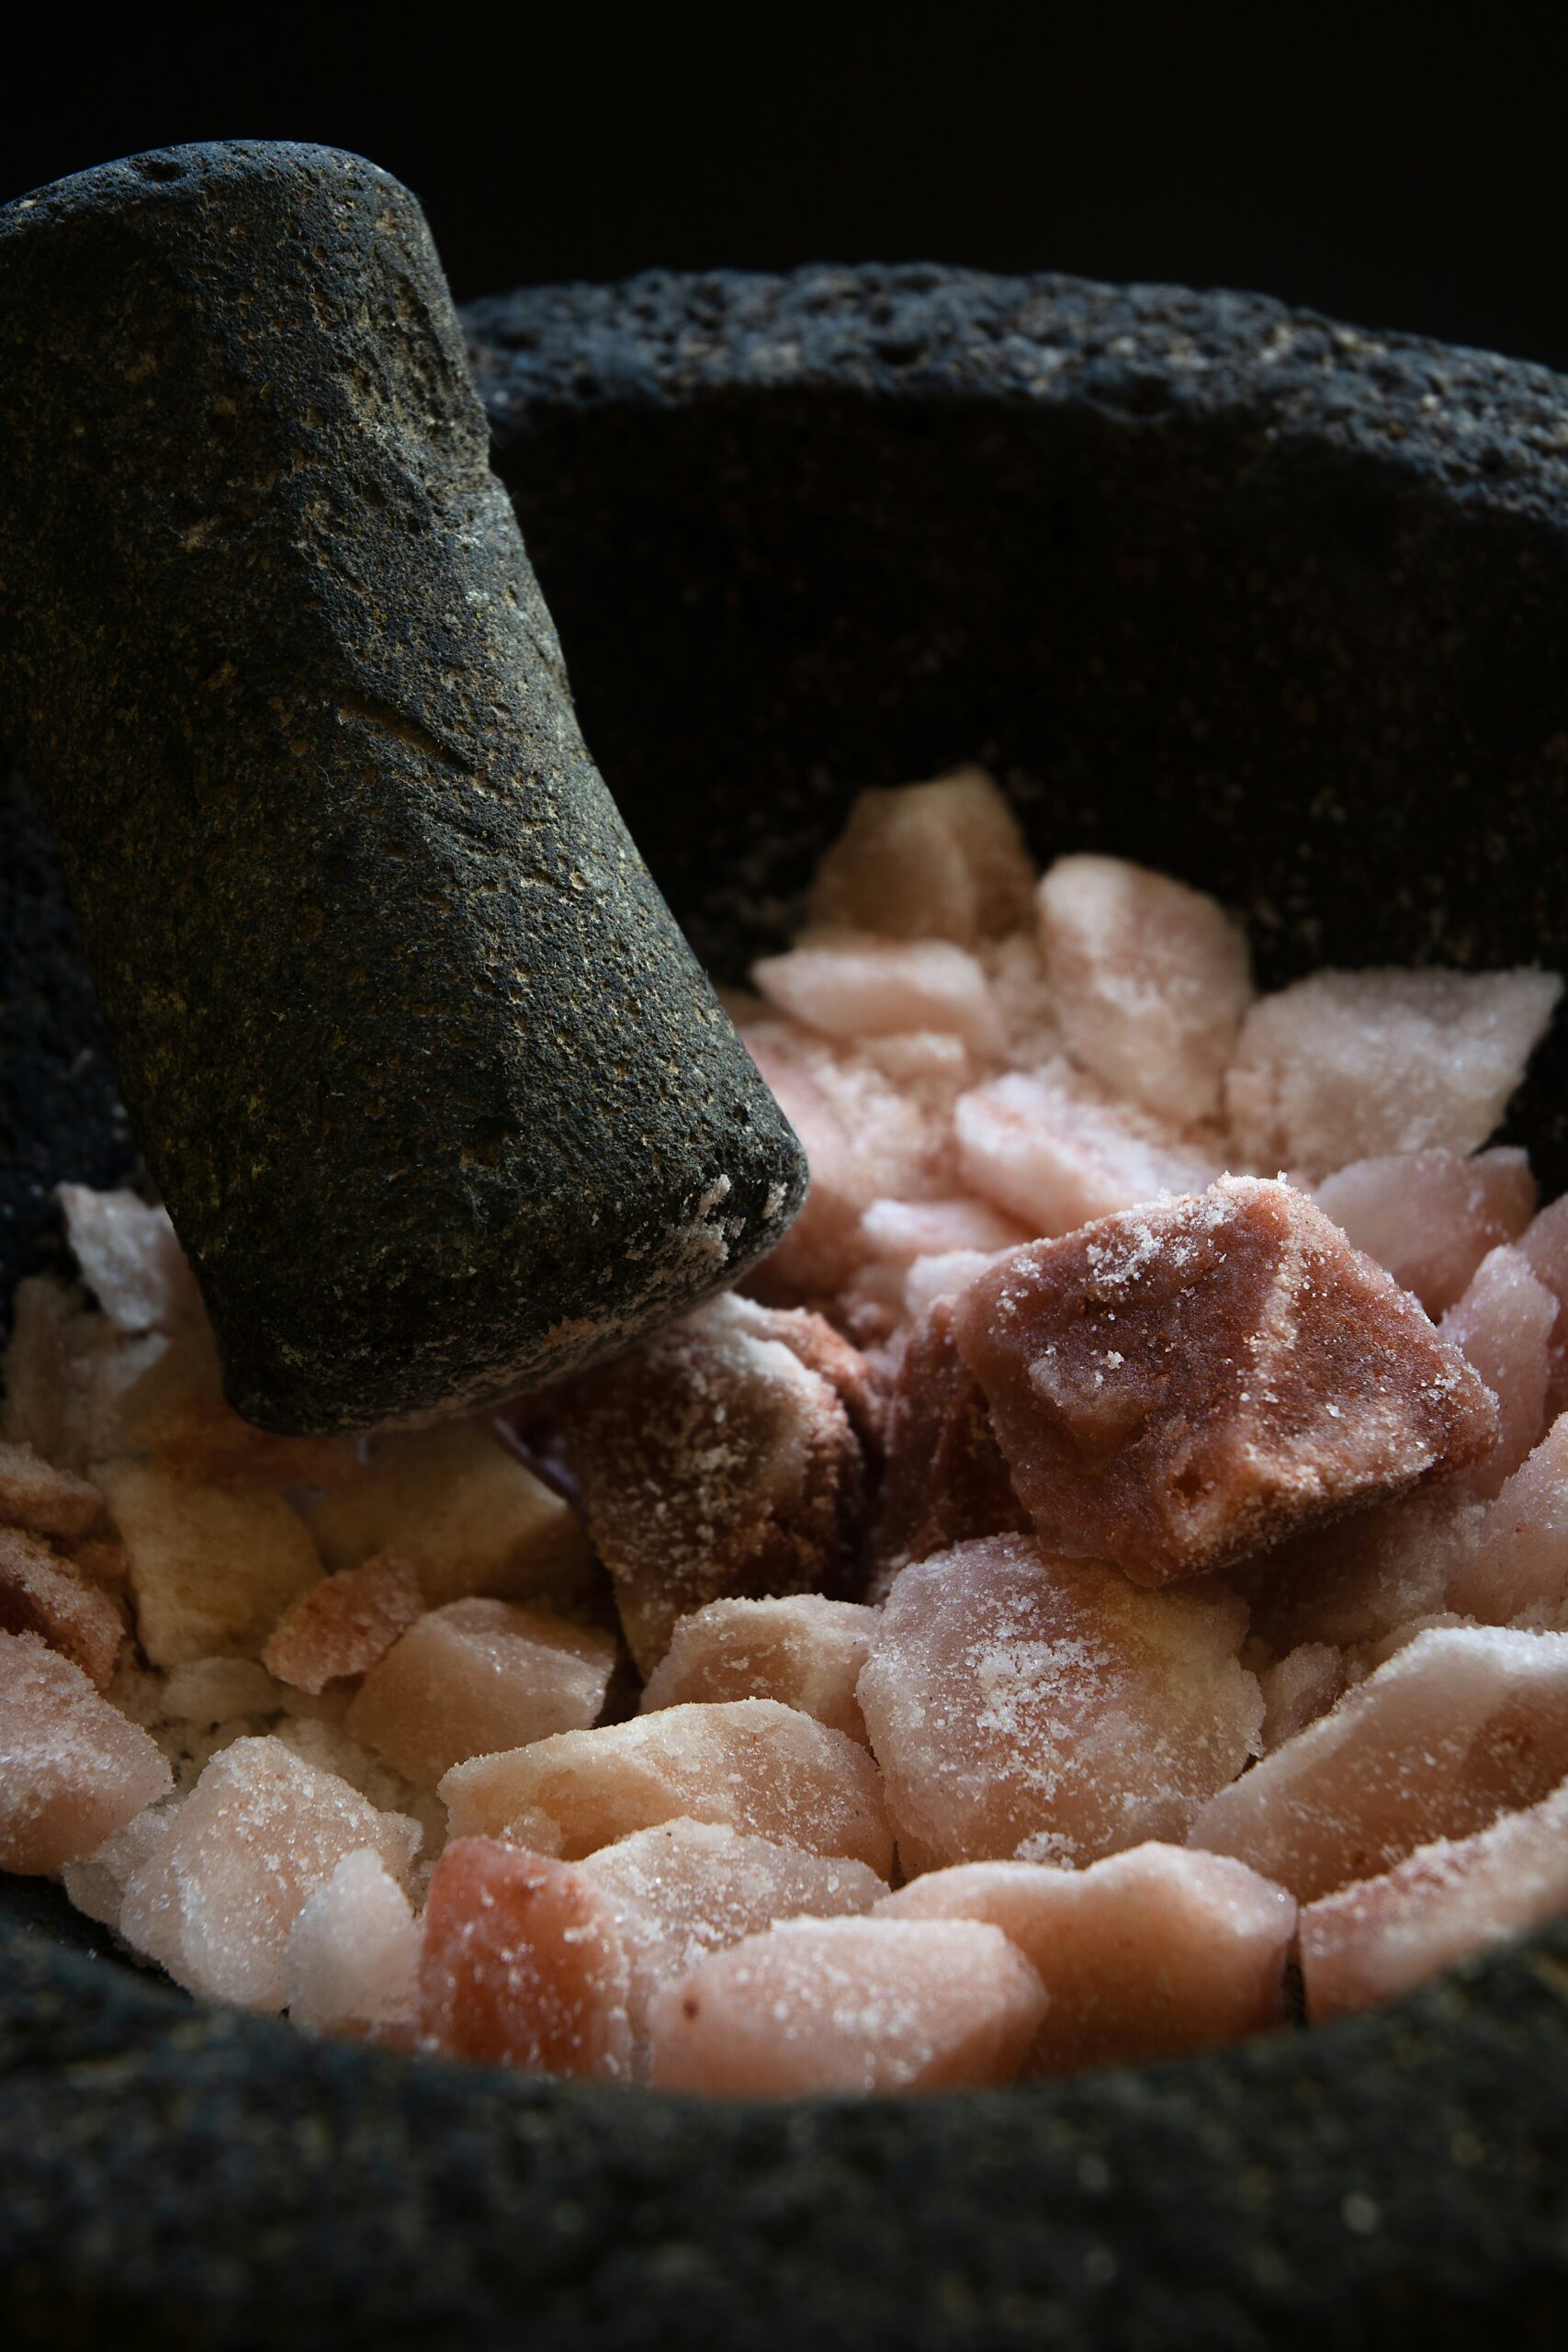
[
  {"x": 351, "y": 1958},
  {"x": 130, "y": 1259}
]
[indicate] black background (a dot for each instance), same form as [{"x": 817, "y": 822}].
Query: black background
[{"x": 1406, "y": 173}]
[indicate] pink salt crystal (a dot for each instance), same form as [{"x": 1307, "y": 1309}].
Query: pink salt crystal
[
  {"x": 522, "y": 1964},
  {"x": 215, "y": 1901},
  {"x": 1182, "y": 1385},
  {"x": 130, "y": 1259},
  {"x": 1150, "y": 981},
  {"x": 854, "y": 985},
  {"x": 1503, "y": 1325},
  {"x": 351, "y": 1958},
  {"x": 712, "y": 1464},
  {"x": 477, "y": 1677},
  {"x": 1543, "y": 1245},
  {"x": 930, "y": 1279},
  {"x": 44, "y": 1500},
  {"x": 1021, "y": 1704},
  {"x": 763, "y": 1768},
  {"x": 849, "y": 2004},
  {"x": 804, "y": 1650},
  {"x": 1350, "y": 1066},
  {"x": 41, "y": 1593},
  {"x": 73, "y": 1770},
  {"x": 1022, "y": 995},
  {"x": 946, "y": 1480},
  {"x": 1299, "y": 1688},
  {"x": 212, "y": 1566},
  {"x": 1142, "y": 1955},
  {"x": 857, "y": 1381},
  {"x": 1053, "y": 1150},
  {"x": 1519, "y": 1568},
  {"x": 96, "y": 1883},
  {"x": 343, "y": 1624},
  {"x": 1464, "y": 1722},
  {"x": 1431, "y": 1217},
  {"x": 903, "y": 1231},
  {"x": 929, "y": 861},
  {"x": 1445, "y": 1902},
  {"x": 1355, "y": 1580}
]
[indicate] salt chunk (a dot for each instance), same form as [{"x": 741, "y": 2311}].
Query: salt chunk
[
  {"x": 946, "y": 1480},
  {"x": 212, "y": 1566},
  {"x": 1464, "y": 1722},
  {"x": 73, "y": 1770},
  {"x": 1298, "y": 1689},
  {"x": 1503, "y": 1325},
  {"x": 130, "y": 1259},
  {"x": 96, "y": 1883},
  {"x": 262, "y": 1830},
  {"x": 1350, "y": 1066},
  {"x": 212, "y": 1691},
  {"x": 477, "y": 1677},
  {"x": 1431, "y": 1217},
  {"x": 944, "y": 860},
  {"x": 1150, "y": 981},
  {"x": 1353, "y": 1580},
  {"x": 763, "y": 1768},
  {"x": 855, "y": 1378},
  {"x": 1053, "y": 1149},
  {"x": 903, "y": 1231},
  {"x": 1020, "y": 994},
  {"x": 42, "y": 1593},
  {"x": 1543, "y": 1245},
  {"x": 1182, "y": 1385},
  {"x": 351, "y": 1958},
  {"x": 1143, "y": 1954},
  {"x": 850, "y": 2005},
  {"x": 803, "y": 1649},
  {"x": 521, "y": 1966},
  {"x": 343, "y": 1624},
  {"x": 1019, "y": 1703},
  {"x": 1519, "y": 1568},
  {"x": 947, "y": 1275},
  {"x": 41, "y": 1499},
  {"x": 856, "y": 986},
  {"x": 37, "y": 1373}
]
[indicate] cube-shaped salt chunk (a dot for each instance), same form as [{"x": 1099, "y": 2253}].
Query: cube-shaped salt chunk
[
  {"x": 802, "y": 1649},
  {"x": 944, "y": 860},
  {"x": 856, "y": 986},
  {"x": 73, "y": 1769},
  {"x": 212, "y": 1567},
  {"x": 1053, "y": 1149},
  {"x": 351, "y": 1958},
  {"x": 1503, "y": 1325},
  {"x": 42, "y": 1593},
  {"x": 1431, "y": 1217},
  {"x": 43, "y": 1500},
  {"x": 477, "y": 1677},
  {"x": 344, "y": 1624},
  {"x": 131, "y": 1260},
  {"x": 1519, "y": 1568}
]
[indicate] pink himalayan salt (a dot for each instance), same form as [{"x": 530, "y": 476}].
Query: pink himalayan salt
[
  {"x": 96, "y": 1883},
  {"x": 130, "y": 1259},
  {"x": 944, "y": 1276},
  {"x": 713, "y": 1464},
  {"x": 1350, "y": 1066},
  {"x": 521, "y": 1966},
  {"x": 212, "y": 1566},
  {"x": 1431, "y": 1217},
  {"x": 802, "y": 1649},
  {"x": 212, "y": 1690},
  {"x": 856, "y": 1379},
  {"x": 903, "y": 1231},
  {"x": 475, "y": 1677},
  {"x": 467, "y": 1514},
  {"x": 688, "y": 1888},
  {"x": 1298, "y": 1689},
  {"x": 1023, "y": 1705},
  {"x": 944, "y": 860},
  {"x": 1150, "y": 981},
  {"x": 1143, "y": 1954},
  {"x": 345, "y": 1624},
  {"x": 945, "y": 1481},
  {"x": 1022, "y": 995},
  {"x": 1187, "y": 1383},
  {"x": 766, "y": 1769},
  {"x": 1355, "y": 1580},
  {"x": 1053, "y": 1150},
  {"x": 1445, "y": 1902},
  {"x": 74, "y": 1389},
  {"x": 43, "y": 1500},
  {"x": 1543, "y": 1245},
  {"x": 1503, "y": 1325},
  {"x": 73, "y": 1770},
  {"x": 216, "y": 1899},
  {"x": 42, "y": 1593},
  {"x": 1463, "y": 1722},
  {"x": 351, "y": 1958},
  {"x": 1519, "y": 1568},
  {"x": 849, "y": 2004},
  {"x": 852, "y": 985}
]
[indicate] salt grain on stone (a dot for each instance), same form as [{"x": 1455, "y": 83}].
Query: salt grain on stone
[
  {"x": 73, "y": 1770},
  {"x": 803, "y": 1650},
  {"x": 477, "y": 1676},
  {"x": 351, "y": 1958}
]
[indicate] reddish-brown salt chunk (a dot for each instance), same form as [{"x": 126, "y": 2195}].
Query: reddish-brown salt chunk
[
  {"x": 855, "y": 985},
  {"x": 42, "y": 1593},
  {"x": 1023, "y": 1705},
  {"x": 1150, "y": 981},
  {"x": 43, "y": 1500},
  {"x": 522, "y": 1964},
  {"x": 343, "y": 1624},
  {"x": 804, "y": 1650},
  {"x": 1519, "y": 1568},
  {"x": 1431, "y": 1217},
  {"x": 477, "y": 1676},
  {"x": 73, "y": 1769},
  {"x": 713, "y": 1464},
  {"x": 944, "y": 860},
  {"x": 1352, "y": 1581},
  {"x": 1143, "y": 1954},
  {"x": 1503, "y": 1325},
  {"x": 946, "y": 1480},
  {"x": 1182, "y": 1385},
  {"x": 352, "y": 1959},
  {"x": 1463, "y": 1722},
  {"x": 763, "y": 1768},
  {"x": 850, "y": 2005},
  {"x": 1298, "y": 1689},
  {"x": 212, "y": 1567},
  {"x": 130, "y": 1259},
  {"x": 856, "y": 1379},
  {"x": 1053, "y": 1149}
]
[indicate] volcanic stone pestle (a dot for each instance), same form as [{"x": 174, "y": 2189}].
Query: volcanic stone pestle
[{"x": 437, "y": 1096}]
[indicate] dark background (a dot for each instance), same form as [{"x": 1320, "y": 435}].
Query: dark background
[{"x": 1400, "y": 172}]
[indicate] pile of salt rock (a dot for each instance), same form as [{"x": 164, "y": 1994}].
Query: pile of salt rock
[{"x": 1091, "y": 1595}]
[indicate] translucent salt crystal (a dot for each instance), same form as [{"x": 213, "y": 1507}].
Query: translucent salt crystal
[
  {"x": 1354, "y": 1580},
  {"x": 946, "y": 1480},
  {"x": 475, "y": 1676},
  {"x": 763, "y": 1768},
  {"x": 73, "y": 1769},
  {"x": 96, "y": 1883},
  {"x": 465, "y": 1512},
  {"x": 1519, "y": 1568},
  {"x": 1464, "y": 1722},
  {"x": 1431, "y": 1217},
  {"x": 1013, "y": 1699},
  {"x": 344, "y": 1624},
  {"x": 215, "y": 1689},
  {"x": 1350, "y": 1066},
  {"x": 262, "y": 1830},
  {"x": 804, "y": 1650},
  {"x": 351, "y": 1958},
  {"x": 1445, "y": 1902},
  {"x": 41, "y": 1499},
  {"x": 691, "y": 1887},
  {"x": 855, "y": 985},
  {"x": 927, "y": 861},
  {"x": 130, "y": 1259},
  {"x": 212, "y": 1567},
  {"x": 850, "y": 2005},
  {"x": 1150, "y": 981},
  {"x": 1182, "y": 1385},
  {"x": 522, "y": 1964},
  {"x": 1503, "y": 1325},
  {"x": 1053, "y": 1149},
  {"x": 42, "y": 1593},
  {"x": 1299, "y": 1688},
  {"x": 903, "y": 1231},
  {"x": 1142, "y": 1955},
  {"x": 945, "y": 1275}
]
